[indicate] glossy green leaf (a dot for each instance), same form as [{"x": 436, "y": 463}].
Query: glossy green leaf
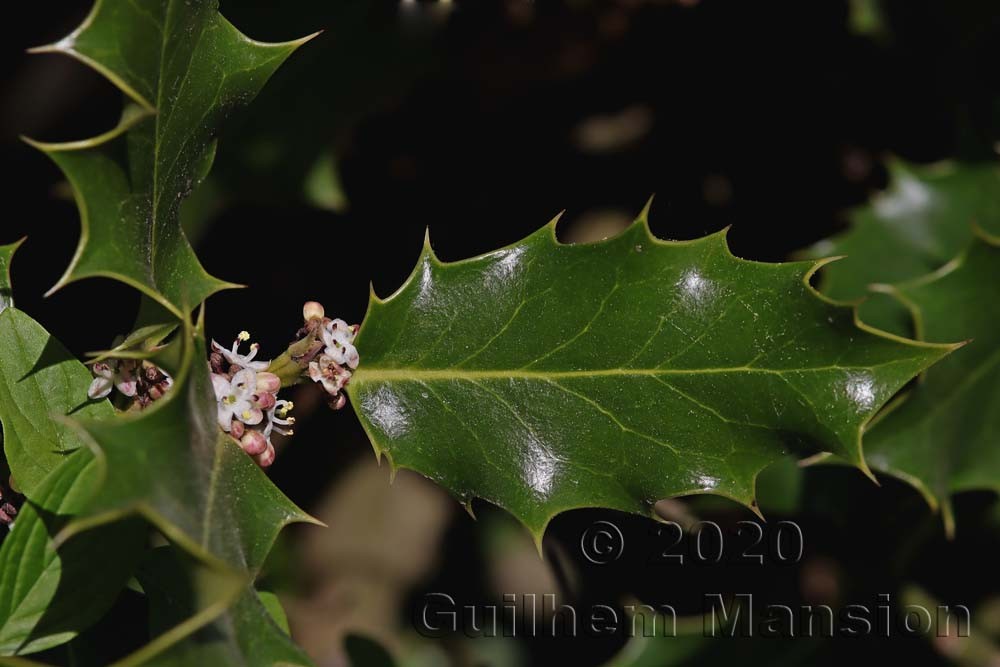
[
  {"x": 919, "y": 223},
  {"x": 39, "y": 382},
  {"x": 945, "y": 436},
  {"x": 543, "y": 377},
  {"x": 245, "y": 634},
  {"x": 48, "y": 595},
  {"x": 185, "y": 69},
  {"x": 173, "y": 465},
  {"x": 6, "y": 254}
]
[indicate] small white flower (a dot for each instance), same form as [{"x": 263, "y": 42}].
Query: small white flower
[
  {"x": 277, "y": 417},
  {"x": 329, "y": 373},
  {"x": 115, "y": 373},
  {"x": 339, "y": 340},
  {"x": 234, "y": 357},
  {"x": 236, "y": 399}
]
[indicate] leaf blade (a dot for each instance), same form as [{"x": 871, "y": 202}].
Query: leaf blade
[
  {"x": 49, "y": 594},
  {"x": 662, "y": 348},
  {"x": 185, "y": 68},
  {"x": 941, "y": 438},
  {"x": 39, "y": 378}
]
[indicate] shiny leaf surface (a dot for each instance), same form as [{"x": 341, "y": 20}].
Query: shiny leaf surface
[
  {"x": 543, "y": 377},
  {"x": 185, "y": 68}
]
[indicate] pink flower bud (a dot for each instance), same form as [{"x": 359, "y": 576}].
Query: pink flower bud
[
  {"x": 268, "y": 382},
  {"x": 338, "y": 402},
  {"x": 313, "y": 310},
  {"x": 265, "y": 401},
  {"x": 266, "y": 458},
  {"x": 254, "y": 443},
  {"x": 236, "y": 429}
]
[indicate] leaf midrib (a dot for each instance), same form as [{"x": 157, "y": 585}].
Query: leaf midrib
[{"x": 442, "y": 374}]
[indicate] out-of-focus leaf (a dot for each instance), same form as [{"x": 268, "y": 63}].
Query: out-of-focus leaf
[
  {"x": 185, "y": 69},
  {"x": 244, "y": 634},
  {"x": 49, "y": 594},
  {"x": 945, "y": 436},
  {"x": 274, "y": 608},
  {"x": 6, "y": 293},
  {"x": 779, "y": 487},
  {"x": 366, "y": 652},
  {"x": 544, "y": 377},
  {"x": 918, "y": 224}
]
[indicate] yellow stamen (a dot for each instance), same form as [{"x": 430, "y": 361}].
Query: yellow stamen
[
  {"x": 246, "y": 414},
  {"x": 243, "y": 336}
]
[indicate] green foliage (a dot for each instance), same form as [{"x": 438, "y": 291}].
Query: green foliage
[
  {"x": 920, "y": 222},
  {"x": 244, "y": 634},
  {"x": 49, "y": 593},
  {"x": 924, "y": 254},
  {"x": 92, "y": 478},
  {"x": 943, "y": 437},
  {"x": 543, "y": 377},
  {"x": 185, "y": 68},
  {"x": 40, "y": 384},
  {"x": 173, "y": 465},
  {"x": 6, "y": 294}
]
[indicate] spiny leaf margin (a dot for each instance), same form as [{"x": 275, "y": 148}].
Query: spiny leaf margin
[{"x": 640, "y": 233}]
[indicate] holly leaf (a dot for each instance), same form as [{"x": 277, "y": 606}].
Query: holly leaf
[
  {"x": 48, "y": 592},
  {"x": 943, "y": 437},
  {"x": 39, "y": 379},
  {"x": 919, "y": 223},
  {"x": 173, "y": 465},
  {"x": 246, "y": 634},
  {"x": 185, "y": 69},
  {"x": 544, "y": 377}
]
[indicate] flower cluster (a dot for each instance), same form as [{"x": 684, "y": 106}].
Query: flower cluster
[
  {"x": 8, "y": 510},
  {"x": 248, "y": 407},
  {"x": 331, "y": 363},
  {"x": 141, "y": 381}
]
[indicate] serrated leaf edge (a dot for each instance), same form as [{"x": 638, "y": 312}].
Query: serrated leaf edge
[{"x": 548, "y": 231}]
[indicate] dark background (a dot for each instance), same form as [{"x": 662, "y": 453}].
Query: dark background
[{"x": 772, "y": 117}]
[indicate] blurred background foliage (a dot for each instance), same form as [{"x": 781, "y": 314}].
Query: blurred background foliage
[{"x": 482, "y": 120}]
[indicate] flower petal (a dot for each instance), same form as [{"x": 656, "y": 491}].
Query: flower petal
[
  {"x": 99, "y": 388},
  {"x": 221, "y": 385}
]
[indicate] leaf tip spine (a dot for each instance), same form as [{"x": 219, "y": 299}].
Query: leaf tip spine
[
  {"x": 296, "y": 43},
  {"x": 552, "y": 224},
  {"x": 862, "y": 465},
  {"x": 644, "y": 213},
  {"x": 427, "y": 250}
]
